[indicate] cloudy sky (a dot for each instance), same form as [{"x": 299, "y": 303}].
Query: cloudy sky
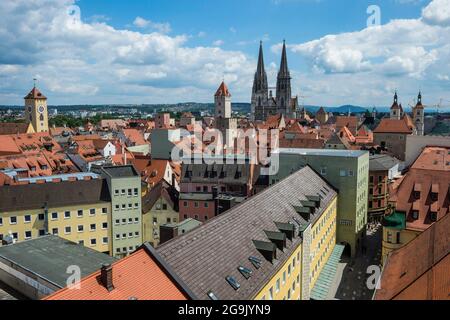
[{"x": 159, "y": 51}]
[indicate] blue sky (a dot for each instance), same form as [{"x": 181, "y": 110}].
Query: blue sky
[
  {"x": 160, "y": 51},
  {"x": 240, "y": 24}
]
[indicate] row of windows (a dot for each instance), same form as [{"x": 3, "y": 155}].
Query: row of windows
[
  {"x": 322, "y": 257},
  {"x": 286, "y": 275},
  {"x": 196, "y": 204},
  {"x": 125, "y": 249},
  {"x": 125, "y": 192},
  {"x": 168, "y": 220},
  {"x": 80, "y": 228},
  {"x": 128, "y": 235},
  {"x": 124, "y": 221},
  {"x": 326, "y": 217},
  {"x": 124, "y": 206},
  {"x": 13, "y": 220}
]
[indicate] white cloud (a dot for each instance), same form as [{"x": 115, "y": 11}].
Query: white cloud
[
  {"x": 218, "y": 43},
  {"x": 365, "y": 66},
  {"x": 80, "y": 62},
  {"x": 437, "y": 12},
  {"x": 143, "y": 24}
]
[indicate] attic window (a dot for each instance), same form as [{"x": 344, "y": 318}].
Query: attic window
[
  {"x": 212, "y": 296},
  {"x": 232, "y": 281},
  {"x": 247, "y": 273},
  {"x": 255, "y": 262},
  {"x": 433, "y": 216},
  {"x": 415, "y": 215}
]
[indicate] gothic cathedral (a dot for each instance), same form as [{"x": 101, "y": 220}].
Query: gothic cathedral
[{"x": 263, "y": 102}]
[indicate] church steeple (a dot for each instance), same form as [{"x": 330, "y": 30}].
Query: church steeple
[
  {"x": 260, "y": 88},
  {"x": 284, "y": 95},
  {"x": 284, "y": 70},
  {"x": 260, "y": 82}
]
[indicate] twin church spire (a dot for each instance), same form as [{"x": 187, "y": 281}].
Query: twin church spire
[{"x": 263, "y": 104}]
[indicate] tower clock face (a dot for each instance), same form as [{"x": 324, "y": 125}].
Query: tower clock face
[{"x": 41, "y": 109}]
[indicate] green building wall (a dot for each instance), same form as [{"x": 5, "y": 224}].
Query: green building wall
[{"x": 348, "y": 172}]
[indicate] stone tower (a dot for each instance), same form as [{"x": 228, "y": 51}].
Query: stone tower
[
  {"x": 222, "y": 100},
  {"x": 260, "y": 89},
  {"x": 224, "y": 122},
  {"x": 396, "y": 109},
  {"x": 419, "y": 116},
  {"x": 36, "y": 111},
  {"x": 284, "y": 95}
]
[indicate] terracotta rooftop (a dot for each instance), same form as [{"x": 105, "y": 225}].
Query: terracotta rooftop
[
  {"x": 433, "y": 158},
  {"x": 394, "y": 126},
  {"x": 223, "y": 91},
  {"x": 140, "y": 276},
  {"x": 35, "y": 94},
  {"x": 415, "y": 191},
  {"x": 420, "y": 270},
  {"x": 13, "y": 128},
  {"x": 135, "y": 136}
]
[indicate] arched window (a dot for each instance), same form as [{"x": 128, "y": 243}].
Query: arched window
[
  {"x": 259, "y": 101},
  {"x": 41, "y": 117}
]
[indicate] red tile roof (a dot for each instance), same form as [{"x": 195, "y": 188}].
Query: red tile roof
[
  {"x": 420, "y": 270},
  {"x": 135, "y": 136},
  {"x": 140, "y": 276},
  {"x": 430, "y": 169},
  {"x": 223, "y": 91},
  {"x": 35, "y": 94},
  {"x": 394, "y": 126}
]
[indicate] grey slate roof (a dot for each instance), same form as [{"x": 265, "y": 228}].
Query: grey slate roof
[
  {"x": 49, "y": 257},
  {"x": 35, "y": 196},
  {"x": 382, "y": 162},
  {"x": 204, "y": 257}
]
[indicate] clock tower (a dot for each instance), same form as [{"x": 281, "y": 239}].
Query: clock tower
[{"x": 36, "y": 110}]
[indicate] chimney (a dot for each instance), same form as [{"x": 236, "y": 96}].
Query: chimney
[{"x": 107, "y": 277}]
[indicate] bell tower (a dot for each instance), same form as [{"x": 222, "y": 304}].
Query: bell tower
[
  {"x": 36, "y": 111},
  {"x": 419, "y": 116}
]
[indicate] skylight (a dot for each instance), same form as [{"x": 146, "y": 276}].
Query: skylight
[
  {"x": 232, "y": 281},
  {"x": 247, "y": 273},
  {"x": 212, "y": 296},
  {"x": 256, "y": 262}
]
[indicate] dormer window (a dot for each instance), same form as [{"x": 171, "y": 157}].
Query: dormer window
[
  {"x": 434, "y": 196},
  {"x": 433, "y": 216}
]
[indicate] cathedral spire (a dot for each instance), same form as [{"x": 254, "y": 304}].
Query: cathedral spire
[
  {"x": 260, "y": 71},
  {"x": 284, "y": 70}
]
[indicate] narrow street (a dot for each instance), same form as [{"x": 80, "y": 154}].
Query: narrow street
[{"x": 351, "y": 277}]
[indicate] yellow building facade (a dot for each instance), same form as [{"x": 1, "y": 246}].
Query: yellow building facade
[
  {"x": 161, "y": 213},
  {"x": 394, "y": 239},
  {"x": 323, "y": 234},
  {"x": 36, "y": 112},
  {"x": 286, "y": 284},
  {"x": 83, "y": 224}
]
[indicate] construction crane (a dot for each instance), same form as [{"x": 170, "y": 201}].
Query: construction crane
[{"x": 438, "y": 106}]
